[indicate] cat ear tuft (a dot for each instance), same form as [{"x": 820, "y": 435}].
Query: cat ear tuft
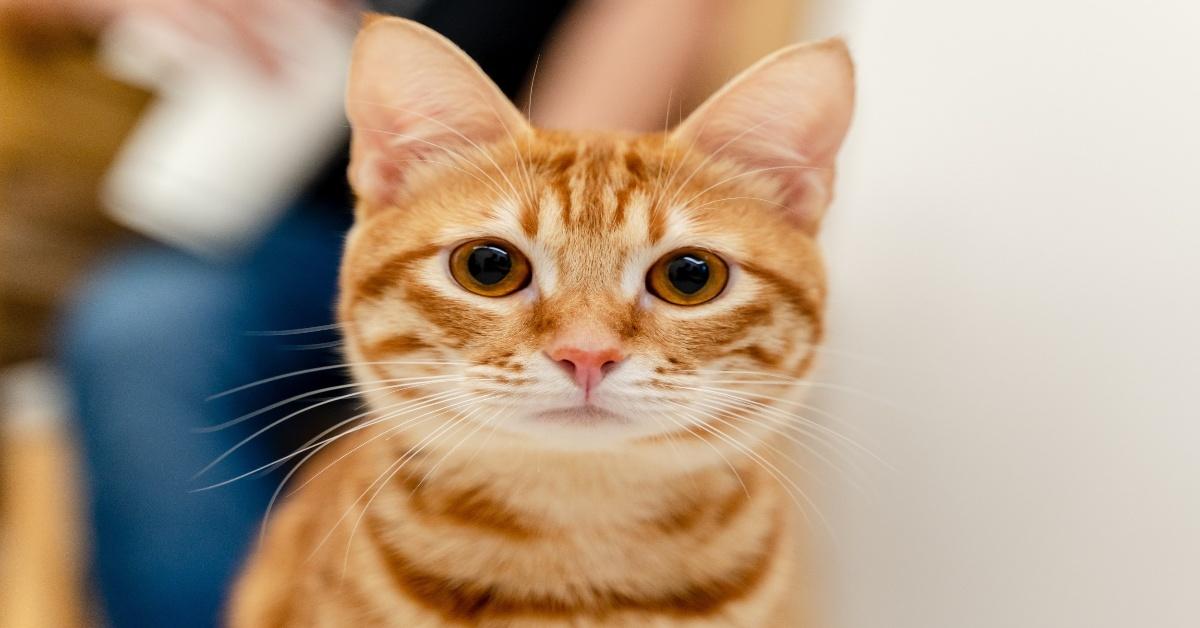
[
  {"x": 414, "y": 96},
  {"x": 785, "y": 116}
]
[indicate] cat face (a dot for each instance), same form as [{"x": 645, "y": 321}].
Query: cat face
[{"x": 585, "y": 289}]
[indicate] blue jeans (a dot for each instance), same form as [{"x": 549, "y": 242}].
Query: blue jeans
[{"x": 150, "y": 337}]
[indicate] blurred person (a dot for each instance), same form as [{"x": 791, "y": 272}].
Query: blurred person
[{"x": 156, "y": 330}]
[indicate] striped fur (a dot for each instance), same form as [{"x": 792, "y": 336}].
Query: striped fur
[{"x": 478, "y": 511}]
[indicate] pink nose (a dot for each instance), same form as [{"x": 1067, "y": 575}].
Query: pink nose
[{"x": 586, "y": 366}]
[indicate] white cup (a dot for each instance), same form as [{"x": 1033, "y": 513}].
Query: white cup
[{"x": 225, "y": 147}]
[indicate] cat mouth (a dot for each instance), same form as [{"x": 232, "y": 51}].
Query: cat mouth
[{"x": 581, "y": 415}]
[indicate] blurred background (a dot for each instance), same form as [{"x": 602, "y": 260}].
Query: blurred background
[{"x": 1014, "y": 260}]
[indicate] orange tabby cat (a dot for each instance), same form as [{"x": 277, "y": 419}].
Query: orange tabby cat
[{"x": 578, "y": 351}]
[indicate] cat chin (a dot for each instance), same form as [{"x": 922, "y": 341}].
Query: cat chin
[
  {"x": 584, "y": 428},
  {"x": 588, "y": 415}
]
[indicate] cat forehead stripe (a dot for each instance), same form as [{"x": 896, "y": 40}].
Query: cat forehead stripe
[{"x": 591, "y": 183}]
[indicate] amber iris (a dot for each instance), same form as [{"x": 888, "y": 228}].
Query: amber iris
[
  {"x": 688, "y": 277},
  {"x": 491, "y": 268}
]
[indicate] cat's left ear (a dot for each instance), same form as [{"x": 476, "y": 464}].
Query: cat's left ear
[
  {"x": 413, "y": 96},
  {"x": 784, "y": 117}
]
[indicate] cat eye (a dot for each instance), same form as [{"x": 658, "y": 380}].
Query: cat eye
[
  {"x": 491, "y": 268},
  {"x": 688, "y": 277}
]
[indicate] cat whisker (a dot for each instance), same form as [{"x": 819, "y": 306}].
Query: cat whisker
[
  {"x": 820, "y": 412},
  {"x": 716, "y": 415},
  {"x": 679, "y": 162},
  {"x": 658, "y": 177},
  {"x": 460, "y": 135},
  {"x": 277, "y": 422},
  {"x": 526, "y": 176},
  {"x": 316, "y": 346},
  {"x": 776, "y": 379},
  {"x": 384, "y": 477},
  {"x": 743, "y": 397},
  {"x": 737, "y": 198},
  {"x": 786, "y": 482},
  {"x": 797, "y": 422},
  {"x": 711, "y": 155},
  {"x": 749, "y": 173},
  {"x": 537, "y": 61},
  {"x": 790, "y": 402},
  {"x": 316, "y": 442},
  {"x": 369, "y": 410},
  {"x": 850, "y": 390},
  {"x": 491, "y": 185},
  {"x": 683, "y": 427},
  {"x": 329, "y": 367},
  {"x": 673, "y": 441},
  {"x": 440, "y": 406},
  {"x": 297, "y": 331},
  {"x": 492, "y": 420},
  {"x": 447, "y": 151},
  {"x": 277, "y": 404},
  {"x": 775, "y": 428},
  {"x": 450, "y": 401},
  {"x": 363, "y": 513},
  {"x": 429, "y": 473}
]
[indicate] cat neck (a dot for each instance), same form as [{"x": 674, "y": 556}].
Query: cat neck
[
  {"x": 566, "y": 488},
  {"x": 571, "y": 535}
]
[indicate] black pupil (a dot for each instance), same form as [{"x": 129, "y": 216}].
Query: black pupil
[
  {"x": 688, "y": 273},
  {"x": 489, "y": 264}
]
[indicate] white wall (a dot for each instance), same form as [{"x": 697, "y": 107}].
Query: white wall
[{"x": 1016, "y": 249}]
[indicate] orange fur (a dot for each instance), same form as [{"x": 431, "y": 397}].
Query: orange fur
[{"x": 466, "y": 506}]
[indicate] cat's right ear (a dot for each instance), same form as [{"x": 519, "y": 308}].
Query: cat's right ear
[{"x": 414, "y": 96}]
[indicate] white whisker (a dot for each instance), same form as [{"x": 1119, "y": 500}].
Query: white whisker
[
  {"x": 363, "y": 513},
  {"x": 741, "y": 397},
  {"x": 444, "y": 149},
  {"x": 776, "y": 427},
  {"x": 250, "y": 415},
  {"x": 299, "y": 330},
  {"x": 774, "y": 471},
  {"x": 680, "y": 424},
  {"x": 748, "y": 173},
  {"x": 712, "y": 154},
  {"x": 299, "y": 465},
  {"x": 383, "y": 478},
  {"x": 278, "y": 422},
  {"x": 452, "y": 401},
  {"x": 329, "y": 367},
  {"x": 317, "y": 443}
]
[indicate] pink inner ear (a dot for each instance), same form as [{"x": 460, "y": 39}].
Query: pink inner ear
[
  {"x": 376, "y": 169},
  {"x": 413, "y": 96},
  {"x": 391, "y": 144},
  {"x": 769, "y": 149},
  {"x": 786, "y": 116},
  {"x": 400, "y": 141}
]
